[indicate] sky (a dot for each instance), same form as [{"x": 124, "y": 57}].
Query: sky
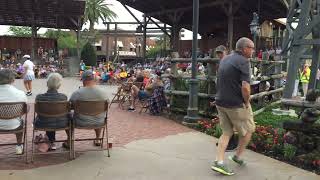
[{"x": 123, "y": 16}]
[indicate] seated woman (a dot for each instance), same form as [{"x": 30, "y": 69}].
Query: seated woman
[
  {"x": 136, "y": 92},
  {"x": 11, "y": 94},
  {"x": 53, "y": 83}
]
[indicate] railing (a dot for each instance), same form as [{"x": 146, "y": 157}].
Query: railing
[{"x": 178, "y": 95}]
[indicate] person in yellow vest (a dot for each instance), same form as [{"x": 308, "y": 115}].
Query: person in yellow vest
[
  {"x": 123, "y": 74},
  {"x": 304, "y": 78}
]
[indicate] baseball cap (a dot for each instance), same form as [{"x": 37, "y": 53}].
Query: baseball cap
[
  {"x": 221, "y": 48},
  {"x": 26, "y": 56},
  {"x": 87, "y": 76}
]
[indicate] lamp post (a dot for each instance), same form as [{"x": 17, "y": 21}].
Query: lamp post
[
  {"x": 192, "y": 112},
  {"x": 255, "y": 30}
]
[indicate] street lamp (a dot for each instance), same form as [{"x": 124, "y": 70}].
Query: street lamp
[{"x": 255, "y": 30}]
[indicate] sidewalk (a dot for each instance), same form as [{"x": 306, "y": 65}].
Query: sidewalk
[{"x": 185, "y": 156}]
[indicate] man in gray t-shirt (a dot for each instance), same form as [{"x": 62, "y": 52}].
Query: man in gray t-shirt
[
  {"x": 233, "y": 103},
  {"x": 90, "y": 92},
  {"x": 233, "y": 70}
]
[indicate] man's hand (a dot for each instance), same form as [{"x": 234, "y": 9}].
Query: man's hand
[{"x": 245, "y": 90}]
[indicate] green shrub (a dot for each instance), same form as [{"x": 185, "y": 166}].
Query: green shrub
[
  {"x": 88, "y": 54},
  {"x": 289, "y": 151},
  {"x": 266, "y": 118}
]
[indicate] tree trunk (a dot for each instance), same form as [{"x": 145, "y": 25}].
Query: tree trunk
[{"x": 91, "y": 26}]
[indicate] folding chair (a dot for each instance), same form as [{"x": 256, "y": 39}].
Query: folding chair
[
  {"x": 91, "y": 108},
  {"x": 123, "y": 95},
  {"x": 9, "y": 111},
  {"x": 47, "y": 109}
]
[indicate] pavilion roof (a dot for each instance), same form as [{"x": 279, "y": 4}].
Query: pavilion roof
[
  {"x": 213, "y": 13},
  {"x": 63, "y": 14}
]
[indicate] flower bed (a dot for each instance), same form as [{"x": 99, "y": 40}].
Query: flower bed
[{"x": 271, "y": 140}]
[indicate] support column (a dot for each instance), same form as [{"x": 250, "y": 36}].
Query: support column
[
  {"x": 78, "y": 45},
  {"x": 107, "y": 43},
  {"x": 33, "y": 35},
  {"x": 144, "y": 44},
  {"x": 315, "y": 59},
  {"x": 293, "y": 62},
  {"x": 175, "y": 37},
  {"x": 115, "y": 40},
  {"x": 192, "y": 112},
  {"x": 165, "y": 40},
  {"x": 230, "y": 26}
]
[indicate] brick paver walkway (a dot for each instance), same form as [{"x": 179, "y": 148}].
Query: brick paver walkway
[{"x": 124, "y": 127}]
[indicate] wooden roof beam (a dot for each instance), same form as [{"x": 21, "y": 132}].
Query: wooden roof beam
[
  {"x": 285, "y": 2},
  {"x": 203, "y": 5}
]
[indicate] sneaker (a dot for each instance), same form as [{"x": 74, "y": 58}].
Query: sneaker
[
  {"x": 29, "y": 93},
  {"x": 19, "y": 149},
  {"x": 53, "y": 146},
  {"x": 220, "y": 168},
  {"x": 235, "y": 159},
  {"x": 131, "y": 109}
]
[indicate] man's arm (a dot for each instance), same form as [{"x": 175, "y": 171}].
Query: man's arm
[{"x": 246, "y": 91}]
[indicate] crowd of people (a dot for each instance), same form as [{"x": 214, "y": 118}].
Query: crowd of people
[{"x": 40, "y": 71}]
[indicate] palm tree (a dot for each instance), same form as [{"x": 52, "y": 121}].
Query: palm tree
[{"x": 96, "y": 10}]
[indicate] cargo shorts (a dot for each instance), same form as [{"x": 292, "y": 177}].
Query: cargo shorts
[{"x": 240, "y": 119}]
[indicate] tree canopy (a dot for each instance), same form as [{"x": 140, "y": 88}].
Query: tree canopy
[
  {"x": 21, "y": 31},
  {"x": 88, "y": 54},
  {"x": 96, "y": 10}
]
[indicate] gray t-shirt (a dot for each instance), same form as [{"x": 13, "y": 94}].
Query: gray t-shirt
[
  {"x": 89, "y": 94},
  {"x": 233, "y": 69}
]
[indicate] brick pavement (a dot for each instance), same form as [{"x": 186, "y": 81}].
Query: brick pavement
[{"x": 124, "y": 127}]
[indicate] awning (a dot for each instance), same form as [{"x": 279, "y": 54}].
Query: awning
[
  {"x": 120, "y": 44},
  {"x": 98, "y": 43}
]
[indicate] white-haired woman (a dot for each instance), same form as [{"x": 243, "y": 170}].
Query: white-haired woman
[{"x": 53, "y": 82}]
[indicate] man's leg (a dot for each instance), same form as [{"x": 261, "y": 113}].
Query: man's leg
[
  {"x": 98, "y": 133},
  {"x": 243, "y": 142},
  {"x": 51, "y": 136},
  {"x": 245, "y": 125},
  {"x": 227, "y": 129},
  {"x": 134, "y": 95},
  {"x": 19, "y": 148},
  {"x": 222, "y": 146},
  {"x": 19, "y": 137}
]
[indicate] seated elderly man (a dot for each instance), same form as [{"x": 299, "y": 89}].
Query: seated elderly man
[
  {"x": 53, "y": 83},
  {"x": 89, "y": 92},
  {"x": 11, "y": 94}
]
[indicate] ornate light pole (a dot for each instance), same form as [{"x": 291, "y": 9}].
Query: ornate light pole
[
  {"x": 255, "y": 30},
  {"x": 192, "y": 113}
]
